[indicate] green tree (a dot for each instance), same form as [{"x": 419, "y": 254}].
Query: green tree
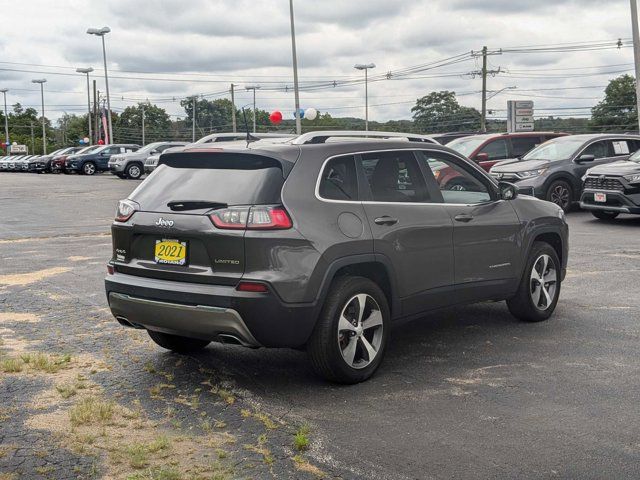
[
  {"x": 210, "y": 114},
  {"x": 70, "y": 129},
  {"x": 617, "y": 112},
  {"x": 157, "y": 124},
  {"x": 441, "y": 112},
  {"x": 21, "y": 121}
]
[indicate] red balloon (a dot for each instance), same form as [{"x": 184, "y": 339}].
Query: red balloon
[
  {"x": 101, "y": 142},
  {"x": 276, "y": 117}
]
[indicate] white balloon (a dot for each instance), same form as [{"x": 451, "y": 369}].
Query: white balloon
[
  {"x": 86, "y": 139},
  {"x": 310, "y": 114}
]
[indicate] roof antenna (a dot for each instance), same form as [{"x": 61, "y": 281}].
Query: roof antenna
[{"x": 250, "y": 138}]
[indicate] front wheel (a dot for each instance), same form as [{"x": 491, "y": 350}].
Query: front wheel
[
  {"x": 89, "y": 168},
  {"x": 602, "y": 215},
  {"x": 539, "y": 288},
  {"x": 134, "y": 172},
  {"x": 560, "y": 193},
  {"x": 176, "y": 343},
  {"x": 350, "y": 338}
]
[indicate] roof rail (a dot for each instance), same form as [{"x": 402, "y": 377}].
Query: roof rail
[{"x": 322, "y": 137}]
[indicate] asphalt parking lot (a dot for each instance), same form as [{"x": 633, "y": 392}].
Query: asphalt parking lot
[{"x": 464, "y": 393}]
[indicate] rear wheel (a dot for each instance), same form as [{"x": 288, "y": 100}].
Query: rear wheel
[
  {"x": 176, "y": 343},
  {"x": 560, "y": 193},
  {"x": 350, "y": 338},
  {"x": 134, "y": 171},
  {"x": 539, "y": 288},
  {"x": 89, "y": 168},
  {"x": 603, "y": 215}
]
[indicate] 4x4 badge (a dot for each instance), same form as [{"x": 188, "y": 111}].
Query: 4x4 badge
[{"x": 164, "y": 223}]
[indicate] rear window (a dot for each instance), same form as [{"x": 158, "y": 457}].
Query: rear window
[{"x": 233, "y": 179}]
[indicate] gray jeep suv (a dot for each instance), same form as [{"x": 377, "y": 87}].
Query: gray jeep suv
[{"x": 324, "y": 246}]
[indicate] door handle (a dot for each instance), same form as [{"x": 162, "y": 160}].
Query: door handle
[
  {"x": 385, "y": 220},
  {"x": 463, "y": 217}
]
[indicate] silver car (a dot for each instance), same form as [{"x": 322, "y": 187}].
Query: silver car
[{"x": 131, "y": 164}]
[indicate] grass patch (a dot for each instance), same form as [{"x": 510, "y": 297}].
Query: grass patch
[
  {"x": 301, "y": 438},
  {"x": 66, "y": 390},
  {"x": 91, "y": 410},
  {"x": 266, "y": 420},
  {"x": 161, "y": 473},
  {"x": 224, "y": 394},
  {"x": 46, "y": 363},
  {"x": 138, "y": 453},
  {"x": 11, "y": 365},
  {"x": 301, "y": 464}
]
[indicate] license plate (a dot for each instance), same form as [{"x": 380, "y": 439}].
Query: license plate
[
  {"x": 600, "y": 197},
  {"x": 171, "y": 252}
]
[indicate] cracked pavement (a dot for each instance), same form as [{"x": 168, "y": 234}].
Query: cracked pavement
[{"x": 464, "y": 393}]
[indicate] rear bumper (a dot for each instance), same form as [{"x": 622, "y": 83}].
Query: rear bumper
[
  {"x": 616, "y": 202},
  {"x": 210, "y": 312},
  {"x": 200, "y": 321}
]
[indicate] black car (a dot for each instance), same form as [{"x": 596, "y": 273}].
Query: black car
[
  {"x": 42, "y": 163},
  {"x": 553, "y": 171},
  {"x": 612, "y": 189},
  {"x": 323, "y": 246}
]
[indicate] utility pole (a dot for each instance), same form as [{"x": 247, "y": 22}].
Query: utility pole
[
  {"x": 483, "y": 73},
  {"x": 142, "y": 106},
  {"x": 294, "y": 54},
  {"x": 95, "y": 115},
  {"x": 636, "y": 53},
  {"x": 33, "y": 140},
  {"x": 233, "y": 109},
  {"x": 193, "y": 131}
]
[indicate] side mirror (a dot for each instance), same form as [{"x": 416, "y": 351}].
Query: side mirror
[
  {"x": 586, "y": 158},
  {"x": 482, "y": 157},
  {"x": 508, "y": 191}
]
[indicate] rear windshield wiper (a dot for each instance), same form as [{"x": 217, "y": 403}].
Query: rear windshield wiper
[{"x": 180, "y": 205}]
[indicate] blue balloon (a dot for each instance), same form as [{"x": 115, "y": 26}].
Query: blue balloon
[
  {"x": 81, "y": 141},
  {"x": 300, "y": 112}
]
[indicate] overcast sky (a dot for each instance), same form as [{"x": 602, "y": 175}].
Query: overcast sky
[{"x": 208, "y": 44}]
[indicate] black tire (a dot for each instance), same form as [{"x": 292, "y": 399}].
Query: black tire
[
  {"x": 177, "y": 343},
  {"x": 604, "y": 215},
  {"x": 88, "y": 168},
  {"x": 134, "y": 171},
  {"x": 121, "y": 176},
  {"x": 324, "y": 347},
  {"x": 522, "y": 305},
  {"x": 560, "y": 193}
]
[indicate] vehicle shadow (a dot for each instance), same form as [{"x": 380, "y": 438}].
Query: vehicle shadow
[{"x": 421, "y": 353}]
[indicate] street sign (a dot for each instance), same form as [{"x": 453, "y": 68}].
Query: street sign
[
  {"x": 18, "y": 149},
  {"x": 520, "y": 116},
  {"x": 524, "y": 104}
]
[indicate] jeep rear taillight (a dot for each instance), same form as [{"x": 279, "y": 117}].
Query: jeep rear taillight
[
  {"x": 257, "y": 217},
  {"x": 126, "y": 208}
]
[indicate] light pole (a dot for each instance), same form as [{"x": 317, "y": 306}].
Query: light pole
[
  {"x": 636, "y": 52},
  {"x": 254, "y": 88},
  {"x": 6, "y": 119},
  {"x": 88, "y": 70},
  {"x": 295, "y": 70},
  {"x": 101, "y": 32},
  {"x": 42, "y": 81},
  {"x": 365, "y": 67}
]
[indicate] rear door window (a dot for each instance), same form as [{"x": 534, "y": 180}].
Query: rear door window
[
  {"x": 621, "y": 147},
  {"x": 394, "y": 177},
  {"x": 496, "y": 150},
  {"x": 339, "y": 179}
]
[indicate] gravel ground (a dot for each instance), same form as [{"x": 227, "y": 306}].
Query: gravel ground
[{"x": 464, "y": 393}]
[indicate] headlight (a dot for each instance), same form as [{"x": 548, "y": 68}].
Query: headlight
[
  {"x": 126, "y": 208},
  {"x": 633, "y": 178},
  {"x": 531, "y": 173}
]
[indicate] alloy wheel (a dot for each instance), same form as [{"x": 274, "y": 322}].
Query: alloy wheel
[
  {"x": 560, "y": 196},
  {"x": 89, "y": 169},
  {"x": 134, "y": 171},
  {"x": 360, "y": 330},
  {"x": 543, "y": 282}
]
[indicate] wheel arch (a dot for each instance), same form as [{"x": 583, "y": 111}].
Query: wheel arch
[
  {"x": 576, "y": 188},
  {"x": 374, "y": 267}
]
